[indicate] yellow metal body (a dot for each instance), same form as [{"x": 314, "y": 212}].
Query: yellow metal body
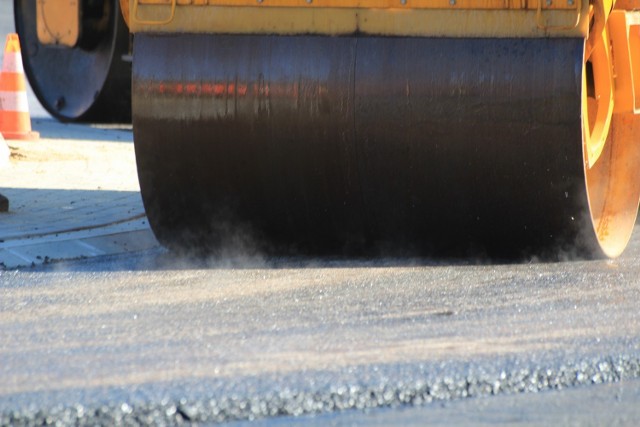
[
  {"x": 440, "y": 18},
  {"x": 611, "y": 80},
  {"x": 381, "y": 4},
  {"x": 124, "y": 8},
  {"x": 625, "y": 37},
  {"x": 58, "y": 22}
]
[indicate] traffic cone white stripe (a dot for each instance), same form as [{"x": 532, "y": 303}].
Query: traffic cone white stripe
[
  {"x": 12, "y": 63},
  {"x": 11, "y": 102}
]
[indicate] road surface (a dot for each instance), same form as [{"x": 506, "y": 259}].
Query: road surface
[{"x": 158, "y": 336}]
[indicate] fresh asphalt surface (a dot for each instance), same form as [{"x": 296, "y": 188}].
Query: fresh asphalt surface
[{"x": 154, "y": 338}]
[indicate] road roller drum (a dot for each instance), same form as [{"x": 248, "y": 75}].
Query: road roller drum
[
  {"x": 385, "y": 144},
  {"x": 346, "y": 143},
  {"x": 372, "y": 127}
]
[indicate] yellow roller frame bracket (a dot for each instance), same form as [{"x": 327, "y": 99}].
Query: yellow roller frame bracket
[
  {"x": 124, "y": 9},
  {"x": 58, "y": 22},
  {"x": 168, "y": 20},
  {"x": 542, "y": 23},
  {"x": 597, "y": 82},
  {"x": 422, "y": 18},
  {"x": 624, "y": 27}
]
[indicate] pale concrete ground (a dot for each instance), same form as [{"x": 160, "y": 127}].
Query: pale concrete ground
[{"x": 73, "y": 193}]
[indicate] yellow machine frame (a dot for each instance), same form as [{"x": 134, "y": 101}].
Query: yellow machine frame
[
  {"x": 444, "y": 18},
  {"x": 58, "y": 22}
]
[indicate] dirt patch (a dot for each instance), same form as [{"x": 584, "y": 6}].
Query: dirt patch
[{"x": 43, "y": 150}]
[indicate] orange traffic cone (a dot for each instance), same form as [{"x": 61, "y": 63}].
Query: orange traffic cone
[{"x": 15, "y": 122}]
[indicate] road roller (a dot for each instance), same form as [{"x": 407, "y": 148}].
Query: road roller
[{"x": 499, "y": 128}]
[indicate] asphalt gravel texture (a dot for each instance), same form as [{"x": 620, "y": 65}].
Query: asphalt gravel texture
[
  {"x": 373, "y": 387},
  {"x": 220, "y": 341}
]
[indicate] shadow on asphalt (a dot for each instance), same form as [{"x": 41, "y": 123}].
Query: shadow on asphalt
[{"x": 162, "y": 259}]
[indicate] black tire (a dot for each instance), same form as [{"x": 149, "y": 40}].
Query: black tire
[{"x": 88, "y": 83}]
